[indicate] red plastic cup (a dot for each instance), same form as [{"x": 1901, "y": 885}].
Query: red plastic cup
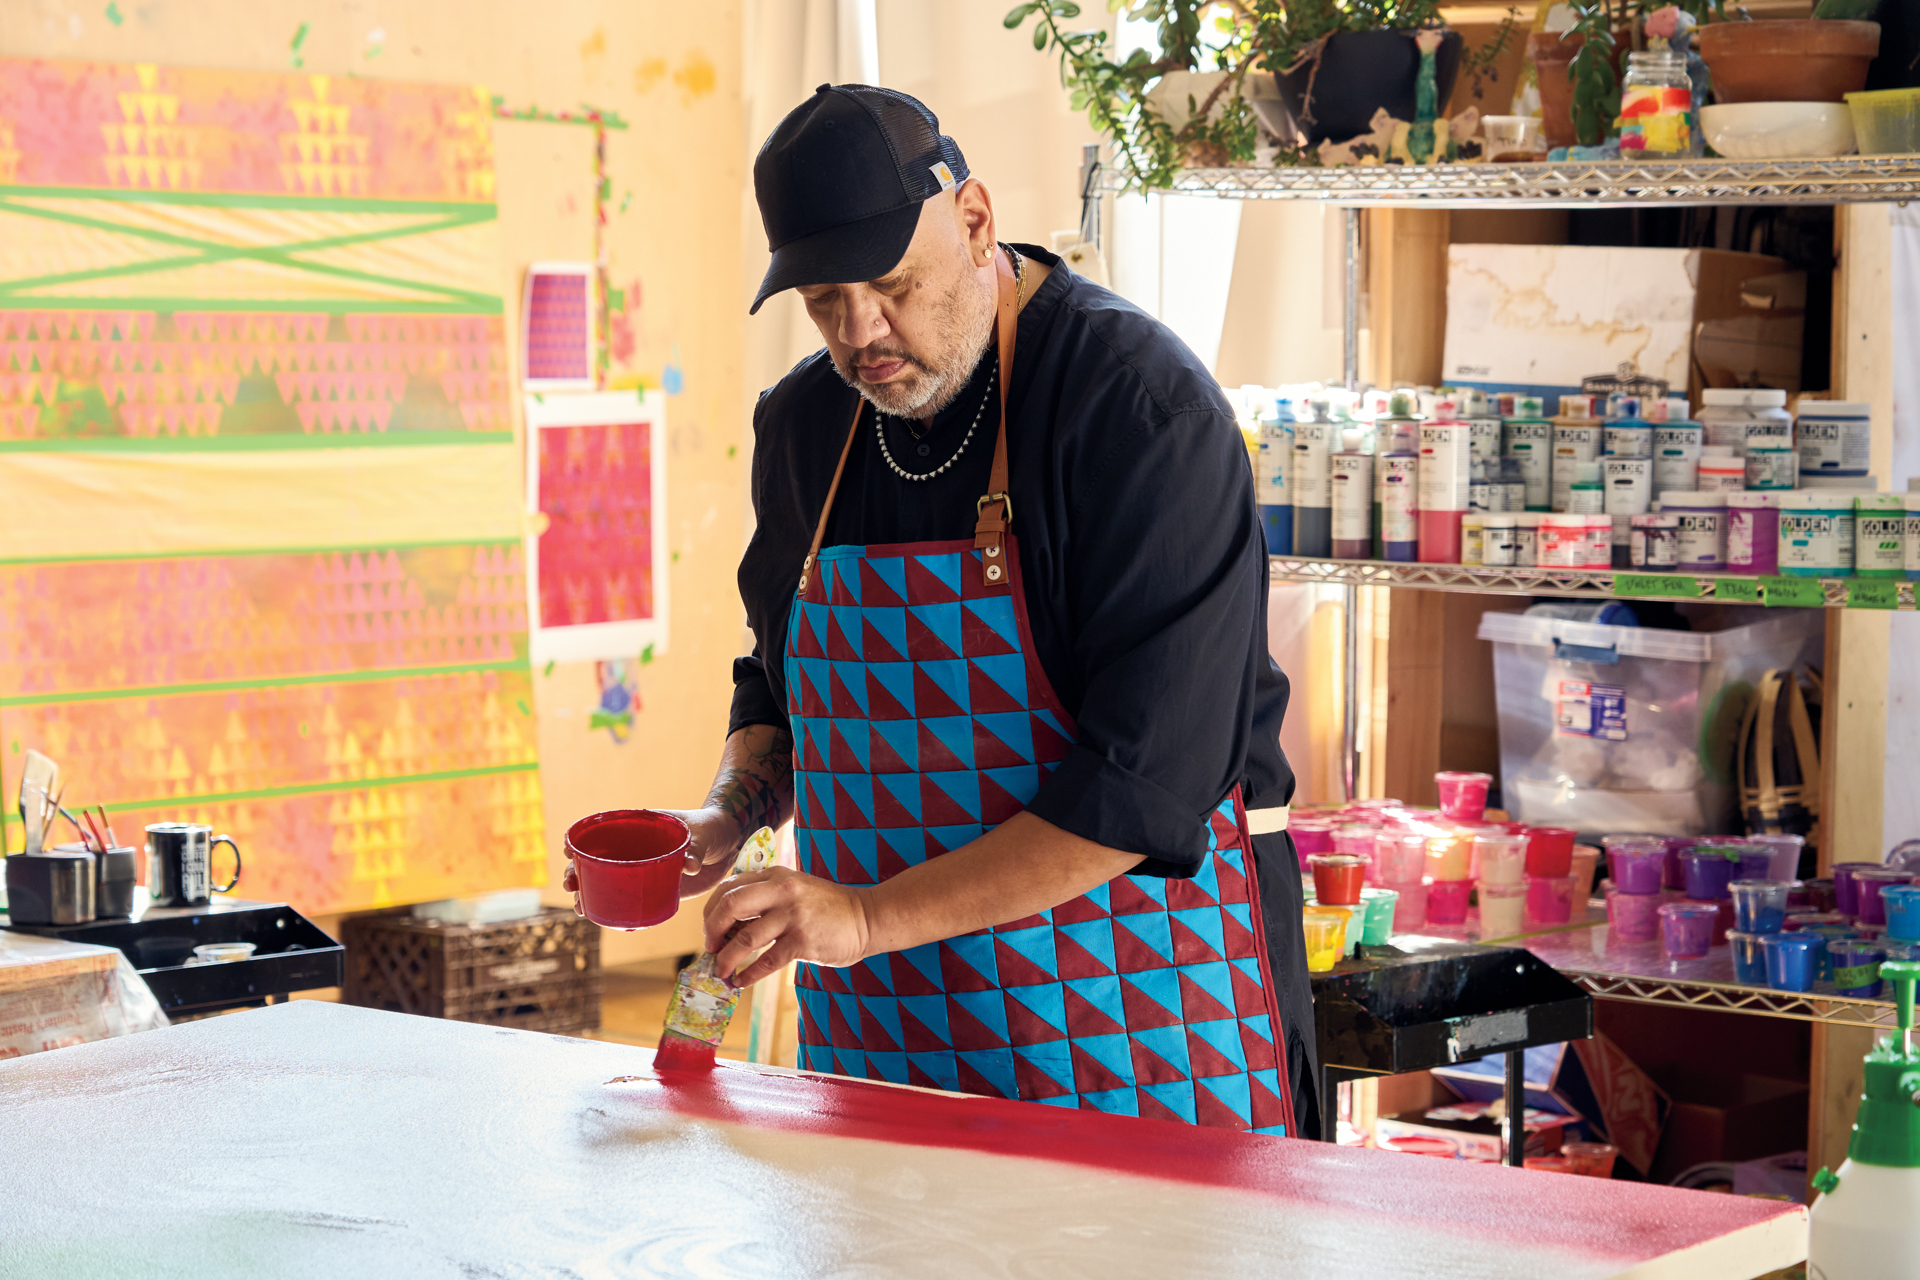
[
  {"x": 1447, "y": 901},
  {"x": 1548, "y": 1164},
  {"x": 1590, "y": 1159},
  {"x": 628, "y": 863},
  {"x": 1549, "y": 851},
  {"x": 1549, "y": 899},
  {"x": 1337, "y": 878},
  {"x": 1463, "y": 796}
]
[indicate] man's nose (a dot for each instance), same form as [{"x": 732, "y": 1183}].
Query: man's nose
[{"x": 861, "y": 320}]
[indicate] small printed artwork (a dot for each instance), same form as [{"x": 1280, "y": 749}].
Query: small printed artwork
[{"x": 557, "y": 326}]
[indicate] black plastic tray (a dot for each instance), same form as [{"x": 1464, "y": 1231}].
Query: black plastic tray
[{"x": 291, "y": 952}]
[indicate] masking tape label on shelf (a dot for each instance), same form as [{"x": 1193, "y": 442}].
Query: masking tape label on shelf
[
  {"x": 1873, "y": 593},
  {"x": 1737, "y": 590},
  {"x": 1656, "y": 584},
  {"x": 1794, "y": 593}
]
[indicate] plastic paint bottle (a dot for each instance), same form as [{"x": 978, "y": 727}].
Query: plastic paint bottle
[
  {"x": 1600, "y": 540},
  {"x": 1912, "y": 501},
  {"x": 1629, "y": 485},
  {"x": 1444, "y": 476},
  {"x": 1484, "y": 433},
  {"x": 1816, "y": 534},
  {"x": 1771, "y": 461},
  {"x": 1880, "y": 535},
  {"x": 1273, "y": 487},
  {"x": 1313, "y": 488},
  {"x": 1629, "y": 438},
  {"x": 1563, "y": 541},
  {"x": 1676, "y": 456},
  {"x": 1501, "y": 540},
  {"x": 1587, "y": 495},
  {"x": 1528, "y": 441},
  {"x": 1511, "y": 487},
  {"x": 1702, "y": 529},
  {"x": 1479, "y": 486},
  {"x": 1721, "y": 471},
  {"x": 1576, "y": 439},
  {"x": 1473, "y": 538},
  {"x": 1753, "y": 532},
  {"x": 1352, "y": 481},
  {"x": 1526, "y": 539},
  {"x": 1654, "y": 541},
  {"x": 1834, "y": 437},
  {"x": 1731, "y": 413},
  {"x": 1622, "y": 541}
]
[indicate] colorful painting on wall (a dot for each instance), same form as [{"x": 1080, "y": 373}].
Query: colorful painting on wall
[{"x": 268, "y": 572}]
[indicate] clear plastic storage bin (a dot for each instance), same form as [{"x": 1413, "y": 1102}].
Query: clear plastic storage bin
[{"x": 1607, "y": 728}]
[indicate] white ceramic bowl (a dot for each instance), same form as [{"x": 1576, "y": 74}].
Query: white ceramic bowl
[{"x": 1778, "y": 130}]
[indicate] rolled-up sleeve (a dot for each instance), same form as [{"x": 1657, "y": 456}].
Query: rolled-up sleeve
[
  {"x": 754, "y": 701},
  {"x": 1165, "y": 579}
]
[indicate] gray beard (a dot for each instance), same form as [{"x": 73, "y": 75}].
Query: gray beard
[{"x": 964, "y": 338}]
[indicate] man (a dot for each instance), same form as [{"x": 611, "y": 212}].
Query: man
[{"x": 1008, "y": 587}]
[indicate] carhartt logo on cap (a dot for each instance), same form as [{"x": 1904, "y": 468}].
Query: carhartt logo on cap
[{"x": 944, "y": 174}]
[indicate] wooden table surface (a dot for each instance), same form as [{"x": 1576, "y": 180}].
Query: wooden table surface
[{"x": 320, "y": 1140}]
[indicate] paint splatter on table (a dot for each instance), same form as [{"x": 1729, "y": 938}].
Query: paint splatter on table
[{"x": 317, "y": 1139}]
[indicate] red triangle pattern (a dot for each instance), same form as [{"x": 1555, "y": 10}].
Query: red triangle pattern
[
  {"x": 986, "y": 693},
  {"x": 841, "y": 757},
  {"x": 853, "y": 873},
  {"x": 838, "y": 644},
  {"x": 1016, "y": 970},
  {"x": 1130, "y": 955},
  {"x": 909, "y": 981},
  {"x": 1184, "y": 895},
  {"x": 875, "y": 647},
  {"x": 1232, "y": 884},
  {"x": 831, "y": 979},
  {"x": 1189, "y": 947},
  {"x": 1035, "y": 1083},
  {"x": 1085, "y": 1020},
  {"x": 874, "y": 1037},
  {"x": 958, "y": 975},
  {"x": 1249, "y": 1001},
  {"x": 969, "y": 1033},
  {"x": 890, "y": 863},
  {"x": 935, "y": 755},
  {"x": 888, "y": 813},
  {"x": 1024, "y": 1026},
  {"x": 1207, "y": 1060},
  {"x": 844, "y": 703},
  {"x": 1199, "y": 1004},
  {"x": 923, "y": 645},
  {"x": 881, "y": 704},
  {"x": 1214, "y": 1113},
  {"x": 981, "y": 640},
  {"x": 919, "y": 1037},
  {"x": 1151, "y": 1108},
  {"x": 1226, "y": 832},
  {"x": 1078, "y": 911},
  {"x": 874, "y": 591},
  {"x": 882, "y": 758},
  {"x": 930, "y": 699},
  {"x": 1238, "y": 940},
  {"x": 1267, "y": 1108},
  {"x": 1074, "y": 960},
  {"x": 991, "y": 753},
  {"x": 812, "y": 705},
  {"x": 1143, "y": 1010},
  {"x": 865, "y": 982},
  {"x": 915, "y": 1076},
  {"x": 1259, "y": 1050},
  {"x": 938, "y": 809},
  {"x": 1150, "y": 1068},
  {"x": 810, "y": 753},
  {"x": 834, "y": 576},
  {"x": 997, "y": 804},
  {"x": 924, "y": 587},
  {"x": 972, "y": 1081},
  {"x": 1089, "y": 1076},
  {"x": 1048, "y": 746},
  {"x": 847, "y": 815},
  {"x": 1124, "y": 898},
  {"x": 805, "y": 643},
  {"x": 839, "y": 1034},
  {"x": 1024, "y": 922}
]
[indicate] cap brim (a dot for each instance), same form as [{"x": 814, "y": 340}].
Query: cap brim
[{"x": 863, "y": 250}]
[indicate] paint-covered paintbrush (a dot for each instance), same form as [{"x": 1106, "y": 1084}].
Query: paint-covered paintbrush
[{"x": 703, "y": 1002}]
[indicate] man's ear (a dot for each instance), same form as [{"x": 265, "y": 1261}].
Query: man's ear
[{"x": 973, "y": 214}]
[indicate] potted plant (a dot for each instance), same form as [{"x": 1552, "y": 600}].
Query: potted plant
[
  {"x": 1579, "y": 73},
  {"x": 1817, "y": 59},
  {"x": 1339, "y": 63}
]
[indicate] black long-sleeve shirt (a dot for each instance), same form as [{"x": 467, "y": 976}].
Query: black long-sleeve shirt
[{"x": 1143, "y": 562}]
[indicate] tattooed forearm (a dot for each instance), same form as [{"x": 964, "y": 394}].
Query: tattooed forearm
[{"x": 755, "y": 784}]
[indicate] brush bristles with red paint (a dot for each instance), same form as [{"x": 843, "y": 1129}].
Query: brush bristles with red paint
[{"x": 682, "y": 1053}]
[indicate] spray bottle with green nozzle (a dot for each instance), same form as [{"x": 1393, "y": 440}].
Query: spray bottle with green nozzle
[{"x": 1866, "y": 1223}]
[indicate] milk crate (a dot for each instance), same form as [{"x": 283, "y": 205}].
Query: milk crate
[{"x": 537, "y": 974}]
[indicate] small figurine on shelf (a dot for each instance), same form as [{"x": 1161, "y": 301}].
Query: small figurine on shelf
[{"x": 1675, "y": 25}]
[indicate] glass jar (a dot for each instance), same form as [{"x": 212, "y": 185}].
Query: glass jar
[{"x": 1656, "y": 105}]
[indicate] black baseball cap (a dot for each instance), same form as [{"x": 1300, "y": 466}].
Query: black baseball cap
[{"x": 840, "y": 183}]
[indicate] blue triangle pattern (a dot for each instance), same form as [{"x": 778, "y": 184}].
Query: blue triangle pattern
[
  {"x": 1206, "y": 925},
  {"x": 1151, "y": 928},
  {"x": 926, "y": 958},
  {"x": 1095, "y": 935},
  {"x": 1053, "y": 1057},
  {"x": 904, "y": 787},
  {"x": 939, "y": 1067},
  {"x": 892, "y": 1067},
  {"x": 1233, "y": 1091},
  {"x": 1115, "y": 1102},
  {"x": 1110, "y": 1052},
  {"x": 816, "y": 671},
  {"x": 1153, "y": 886},
  {"x": 930, "y": 1012},
  {"x": 1214, "y": 977},
  {"x": 997, "y": 612},
  {"x": 1013, "y": 728},
  {"x": 995, "y": 1066},
  {"x": 847, "y": 618},
  {"x": 881, "y": 967},
  {"x": 896, "y": 678},
  {"x": 859, "y": 789},
  {"x": 907, "y": 844},
  {"x": 1241, "y": 912},
  {"x": 977, "y": 951},
  {"x": 963, "y": 787},
  {"x": 1223, "y": 1035},
  {"x": 853, "y": 734},
  {"x": 1261, "y": 1025},
  {"x": 1009, "y": 671},
  {"x": 850, "y": 1062},
  {"x": 885, "y": 1010},
  {"x": 944, "y": 567},
  {"x": 1046, "y": 1001},
  {"x": 861, "y": 844},
  {"x": 903, "y": 736},
  {"x": 1066, "y": 1101},
  {"x": 951, "y": 676},
  {"x": 944, "y": 621},
  {"x": 951, "y": 838},
  {"x": 1162, "y": 986},
  {"x": 955, "y": 734},
  {"x": 1169, "y": 1043},
  {"x": 1176, "y": 1097},
  {"x": 1021, "y": 781},
  {"x": 891, "y": 570},
  {"x": 849, "y": 1007},
  {"x": 892, "y": 625},
  {"x": 1036, "y": 944},
  {"x": 853, "y": 676},
  {"x": 1103, "y": 993}
]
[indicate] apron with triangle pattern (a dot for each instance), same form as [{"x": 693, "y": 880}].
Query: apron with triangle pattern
[{"x": 921, "y": 719}]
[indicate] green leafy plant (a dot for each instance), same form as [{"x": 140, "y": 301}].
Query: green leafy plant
[{"x": 1596, "y": 90}]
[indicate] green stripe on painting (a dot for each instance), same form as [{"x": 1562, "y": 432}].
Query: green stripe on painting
[
  {"x": 306, "y": 306},
  {"x": 305, "y": 789},
  {"x": 473, "y": 211},
  {"x": 257, "y": 444},
  {"x": 334, "y": 549},
  {"x": 263, "y": 682}
]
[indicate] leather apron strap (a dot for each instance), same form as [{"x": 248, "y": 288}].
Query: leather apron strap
[{"x": 995, "y": 509}]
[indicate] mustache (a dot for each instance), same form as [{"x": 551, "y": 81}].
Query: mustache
[{"x": 875, "y": 354}]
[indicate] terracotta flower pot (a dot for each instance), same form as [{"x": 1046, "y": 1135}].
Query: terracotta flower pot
[
  {"x": 1788, "y": 59},
  {"x": 1552, "y": 57}
]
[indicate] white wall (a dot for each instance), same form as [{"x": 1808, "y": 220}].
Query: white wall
[{"x": 1901, "y": 819}]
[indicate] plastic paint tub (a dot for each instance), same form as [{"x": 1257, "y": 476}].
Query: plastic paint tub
[
  {"x": 1913, "y": 535},
  {"x": 628, "y": 863},
  {"x": 1590, "y": 1159},
  {"x": 1447, "y": 901},
  {"x": 1549, "y": 851},
  {"x": 1820, "y": 895},
  {"x": 1676, "y": 456},
  {"x": 1732, "y": 414},
  {"x": 1337, "y": 878},
  {"x": 1653, "y": 541},
  {"x": 1759, "y": 906},
  {"x": 1797, "y": 920},
  {"x": 1686, "y": 929},
  {"x": 1856, "y": 968},
  {"x": 1502, "y": 909},
  {"x": 1473, "y": 538},
  {"x": 1378, "y": 925},
  {"x": 1635, "y": 867},
  {"x": 1902, "y": 903},
  {"x": 1708, "y": 873},
  {"x": 1547, "y": 1164},
  {"x": 1791, "y": 960},
  {"x": 1880, "y": 535},
  {"x": 1586, "y": 862},
  {"x": 1399, "y": 857},
  {"x": 1869, "y": 883},
  {"x": 1322, "y": 931},
  {"x": 1355, "y": 839},
  {"x": 1703, "y": 529},
  {"x": 1310, "y": 836},
  {"x": 1562, "y": 542},
  {"x": 1634, "y": 917},
  {"x": 1827, "y": 934},
  {"x": 1771, "y": 462},
  {"x": 1499, "y": 858},
  {"x": 1600, "y": 541},
  {"x": 1720, "y": 470},
  {"x": 1752, "y": 861},
  {"x": 1845, "y": 897},
  {"x": 1501, "y": 540},
  {"x": 1816, "y": 533},
  {"x": 1834, "y": 437},
  {"x": 1753, "y": 532},
  {"x": 1786, "y": 855},
  {"x": 1463, "y": 796},
  {"x": 1450, "y": 857},
  {"x": 1749, "y": 957},
  {"x": 1410, "y": 912},
  {"x": 1549, "y": 899}
]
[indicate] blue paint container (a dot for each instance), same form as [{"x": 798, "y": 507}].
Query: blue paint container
[
  {"x": 1856, "y": 968},
  {"x": 1792, "y": 959},
  {"x": 1903, "y": 911},
  {"x": 1273, "y": 488},
  {"x": 1749, "y": 957}
]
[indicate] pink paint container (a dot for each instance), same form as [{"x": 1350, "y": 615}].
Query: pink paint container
[
  {"x": 1310, "y": 836},
  {"x": 1845, "y": 898},
  {"x": 1463, "y": 796},
  {"x": 1499, "y": 858},
  {"x": 1447, "y": 901},
  {"x": 1633, "y": 917},
  {"x": 628, "y": 863},
  {"x": 1636, "y": 866},
  {"x": 1549, "y": 851},
  {"x": 1355, "y": 840},
  {"x": 1686, "y": 929},
  {"x": 1410, "y": 911},
  {"x": 1722, "y": 917},
  {"x": 1871, "y": 909},
  {"x": 1549, "y": 899},
  {"x": 1674, "y": 874},
  {"x": 1399, "y": 857},
  {"x": 1337, "y": 879}
]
